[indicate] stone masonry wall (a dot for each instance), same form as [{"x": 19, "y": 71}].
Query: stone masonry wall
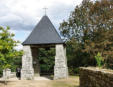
[
  {"x": 95, "y": 77},
  {"x": 60, "y": 68},
  {"x": 8, "y": 74},
  {"x": 27, "y": 72}
]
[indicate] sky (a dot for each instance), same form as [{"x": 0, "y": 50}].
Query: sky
[{"x": 23, "y": 15}]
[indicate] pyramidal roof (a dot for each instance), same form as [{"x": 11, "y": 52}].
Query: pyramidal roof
[{"x": 43, "y": 33}]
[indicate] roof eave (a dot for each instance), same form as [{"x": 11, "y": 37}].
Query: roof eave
[{"x": 42, "y": 43}]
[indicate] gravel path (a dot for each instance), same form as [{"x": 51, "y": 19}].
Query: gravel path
[
  {"x": 35, "y": 78},
  {"x": 72, "y": 81}
]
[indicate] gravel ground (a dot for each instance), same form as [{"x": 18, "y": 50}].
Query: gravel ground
[{"x": 42, "y": 82}]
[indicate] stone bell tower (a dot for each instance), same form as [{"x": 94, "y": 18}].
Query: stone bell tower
[{"x": 43, "y": 35}]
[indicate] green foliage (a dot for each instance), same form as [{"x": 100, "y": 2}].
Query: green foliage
[
  {"x": 46, "y": 59},
  {"x": 16, "y": 62},
  {"x": 99, "y": 59},
  {"x": 75, "y": 56},
  {"x": 91, "y": 27},
  {"x": 7, "y": 48}
]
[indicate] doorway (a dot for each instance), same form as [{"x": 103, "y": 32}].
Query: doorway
[{"x": 43, "y": 61}]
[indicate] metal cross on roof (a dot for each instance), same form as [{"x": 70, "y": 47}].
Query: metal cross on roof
[{"x": 45, "y": 10}]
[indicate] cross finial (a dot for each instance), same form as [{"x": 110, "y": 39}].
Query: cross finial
[{"x": 45, "y": 10}]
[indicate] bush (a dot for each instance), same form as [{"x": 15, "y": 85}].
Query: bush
[{"x": 99, "y": 60}]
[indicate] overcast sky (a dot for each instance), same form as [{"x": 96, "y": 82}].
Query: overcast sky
[{"x": 23, "y": 15}]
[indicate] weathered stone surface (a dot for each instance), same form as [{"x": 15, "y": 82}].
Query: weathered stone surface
[
  {"x": 7, "y": 73},
  {"x": 95, "y": 77},
  {"x": 27, "y": 71},
  {"x": 30, "y": 63},
  {"x": 60, "y": 68}
]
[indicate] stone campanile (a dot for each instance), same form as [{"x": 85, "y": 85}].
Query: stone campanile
[{"x": 43, "y": 35}]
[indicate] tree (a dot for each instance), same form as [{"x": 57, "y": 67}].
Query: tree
[
  {"x": 46, "y": 57},
  {"x": 75, "y": 56},
  {"x": 91, "y": 25},
  {"x": 101, "y": 32},
  {"x": 7, "y": 48}
]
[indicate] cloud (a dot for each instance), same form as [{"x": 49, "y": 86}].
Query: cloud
[{"x": 23, "y": 15}]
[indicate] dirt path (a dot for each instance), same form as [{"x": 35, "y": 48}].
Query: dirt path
[
  {"x": 70, "y": 82},
  {"x": 24, "y": 83}
]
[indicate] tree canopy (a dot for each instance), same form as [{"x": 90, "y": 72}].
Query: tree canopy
[
  {"x": 91, "y": 26},
  {"x": 7, "y": 48}
]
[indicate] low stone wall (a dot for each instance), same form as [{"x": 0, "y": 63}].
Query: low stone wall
[
  {"x": 8, "y": 74},
  {"x": 95, "y": 77}
]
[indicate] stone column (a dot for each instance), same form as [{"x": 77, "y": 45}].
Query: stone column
[
  {"x": 36, "y": 65},
  {"x": 60, "y": 68},
  {"x": 27, "y": 72}
]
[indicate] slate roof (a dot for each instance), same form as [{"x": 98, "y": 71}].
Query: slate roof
[{"x": 43, "y": 33}]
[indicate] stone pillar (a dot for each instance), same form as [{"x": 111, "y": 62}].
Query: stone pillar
[
  {"x": 60, "y": 68},
  {"x": 27, "y": 72},
  {"x": 36, "y": 65}
]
